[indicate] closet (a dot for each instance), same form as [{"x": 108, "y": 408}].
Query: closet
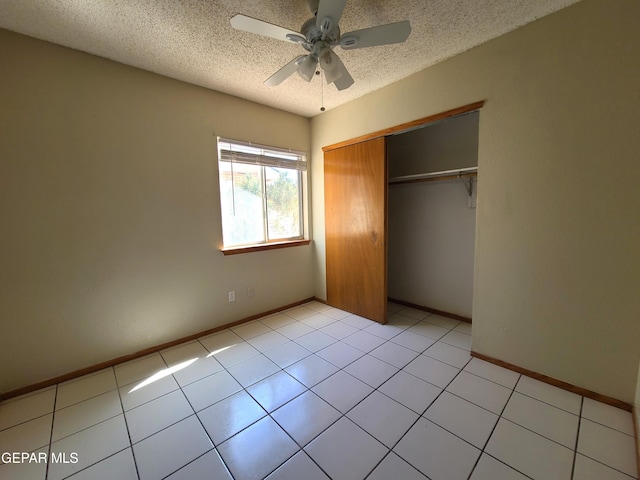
[
  {"x": 431, "y": 215},
  {"x": 400, "y": 216}
]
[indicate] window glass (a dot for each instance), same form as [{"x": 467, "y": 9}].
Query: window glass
[
  {"x": 283, "y": 203},
  {"x": 260, "y": 193}
]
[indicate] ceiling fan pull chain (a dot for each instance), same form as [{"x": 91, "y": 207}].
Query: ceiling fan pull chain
[{"x": 322, "y": 91}]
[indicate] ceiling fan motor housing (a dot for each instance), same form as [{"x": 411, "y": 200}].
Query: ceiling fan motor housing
[{"x": 313, "y": 33}]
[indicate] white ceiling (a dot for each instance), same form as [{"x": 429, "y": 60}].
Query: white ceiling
[{"x": 192, "y": 40}]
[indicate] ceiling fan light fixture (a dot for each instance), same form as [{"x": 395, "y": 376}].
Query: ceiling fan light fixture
[
  {"x": 330, "y": 67},
  {"x": 307, "y": 67}
]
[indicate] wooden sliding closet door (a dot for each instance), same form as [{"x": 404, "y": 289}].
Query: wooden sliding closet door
[{"x": 355, "y": 192}]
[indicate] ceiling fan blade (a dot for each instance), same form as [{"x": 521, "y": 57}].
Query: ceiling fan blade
[
  {"x": 381, "y": 35},
  {"x": 284, "y": 73},
  {"x": 307, "y": 67},
  {"x": 330, "y": 8},
  {"x": 253, "y": 25},
  {"x": 344, "y": 80}
]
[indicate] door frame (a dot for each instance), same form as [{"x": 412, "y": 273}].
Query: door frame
[
  {"x": 399, "y": 129},
  {"x": 472, "y": 107}
]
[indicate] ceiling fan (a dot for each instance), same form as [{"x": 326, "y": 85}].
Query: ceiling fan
[{"x": 319, "y": 36}]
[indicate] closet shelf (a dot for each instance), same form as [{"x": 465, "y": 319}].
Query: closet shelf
[{"x": 442, "y": 175}]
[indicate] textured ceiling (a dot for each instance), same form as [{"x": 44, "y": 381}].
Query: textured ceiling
[{"x": 193, "y": 41}]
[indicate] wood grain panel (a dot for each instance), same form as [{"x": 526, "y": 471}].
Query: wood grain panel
[
  {"x": 263, "y": 247},
  {"x": 355, "y": 182}
]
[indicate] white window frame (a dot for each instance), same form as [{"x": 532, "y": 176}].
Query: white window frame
[{"x": 248, "y": 153}]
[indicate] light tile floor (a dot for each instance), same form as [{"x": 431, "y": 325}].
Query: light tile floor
[{"x": 316, "y": 393}]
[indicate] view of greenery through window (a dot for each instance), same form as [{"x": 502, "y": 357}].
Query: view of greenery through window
[
  {"x": 260, "y": 203},
  {"x": 283, "y": 203}
]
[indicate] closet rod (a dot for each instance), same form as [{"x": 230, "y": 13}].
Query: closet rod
[{"x": 442, "y": 175}]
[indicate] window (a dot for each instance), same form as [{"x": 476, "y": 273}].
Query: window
[{"x": 260, "y": 193}]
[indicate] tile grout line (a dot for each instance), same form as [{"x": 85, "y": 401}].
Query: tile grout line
[
  {"x": 195, "y": 414},
  {"x": 608, "y": 426},
  {"x": 551, "y": 404},
  {"x": 309, "y": 389},
  {"x": 301, "y": 449},
  {"x": 594, "y": 459},
  {"x": 609, "y": 467},
  {"x": 213, "y": 448},
  {"x": 17, "y": 399},
  {"x": 420, "y": 415},
  {"x": 538, "y": 434},
  {"x": 98, "y": 423},
  {"x": 53, "y": 419},
  {"x": 244, "y": 389},
  {"x": 368, "y": 353},
  {"x": 575, "y": 448},
  {"x": 93, "y": 424},
  {"x": 126, "y": 423},
  {"x": 87, "y": 428},
  {"x": 493, "y": 430},
  {"x": 386, "y": 340},
  {"x": 269, "y": 414},
  {"x": 88, "y": 398},
  {"x": 579, "y": 416}
]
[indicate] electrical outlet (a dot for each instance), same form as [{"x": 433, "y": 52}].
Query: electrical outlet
[
  {"x": 232, "y": 296},
  {"x": 251, "y": 291}
]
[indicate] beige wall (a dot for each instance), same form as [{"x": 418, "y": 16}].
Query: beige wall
[
  {"x": 441, "y": 146},
  {"x": 557, "y": 269},
  {"x": 431, "y": 245},
  {"x": 110, "y": 211}
]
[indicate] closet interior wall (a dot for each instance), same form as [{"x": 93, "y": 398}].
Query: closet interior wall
[{"x": 431, "y": 224}]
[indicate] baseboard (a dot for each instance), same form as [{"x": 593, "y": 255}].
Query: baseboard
[
  {"x": 556, "y": 383},
  {"x": 430, "y": 310},
  {"x": 141, "y": 353}
]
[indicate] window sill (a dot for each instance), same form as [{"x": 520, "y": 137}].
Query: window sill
[{"x": 263, "y": 246}]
